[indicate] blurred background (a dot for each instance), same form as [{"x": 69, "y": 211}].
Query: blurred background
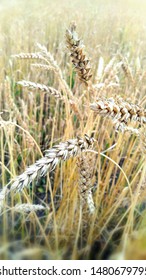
[{"x": 106, "y": 27}]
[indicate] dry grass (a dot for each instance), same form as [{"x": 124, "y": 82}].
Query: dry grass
[{"x": 77, "y": 198}]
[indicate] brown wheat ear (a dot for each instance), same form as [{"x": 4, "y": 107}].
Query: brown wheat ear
[{"x": 78, "y": 55}]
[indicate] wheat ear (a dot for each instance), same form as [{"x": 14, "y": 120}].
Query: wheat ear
[
  {"x": 28, "y": 207},
  {"x": 119, "y": 110},
  {"x": 85, "y": 183},
  {"x": 4, "y": 192},
  {"x": 36, "y": 55},
  {"x": 126, "y": 68},
  {"x": 42, "y": 66},
  {"x": 78, "y": 55},
  {"x": 44, "y": 88},
  {"x": 62, "y": 151}
]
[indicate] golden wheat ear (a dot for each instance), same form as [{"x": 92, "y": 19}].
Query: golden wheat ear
[
  {"x": 85, "y": 183},
  {"x": 62, "y": 151},
  {"x": 120, "y": 111},
  {"x": 41, "y": 87},
  {"x": 126, "y": 68},
  {"x": 78, "y": 55},
  {"x": 53, "y": 156},
  {"x": 27, "y": 56},
  {"x": 28, "y": 207}
]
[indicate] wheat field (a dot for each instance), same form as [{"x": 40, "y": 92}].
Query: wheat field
[{"x": 72, "y": 129}]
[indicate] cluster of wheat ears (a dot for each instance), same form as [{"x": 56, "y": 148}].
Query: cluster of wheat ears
[{"x": 125, "y": 116}]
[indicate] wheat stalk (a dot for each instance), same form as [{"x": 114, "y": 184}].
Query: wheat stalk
[
  {"x": 12, "y": 106},
  {"x": 100, "y": 69},
  {"x": 48, "y": 57},
  {"x": 143, "y": 142},
  {"x": 109, "y": 66}
]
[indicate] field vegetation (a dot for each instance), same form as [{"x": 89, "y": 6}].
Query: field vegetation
[{"x": 72, "y": 129}]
